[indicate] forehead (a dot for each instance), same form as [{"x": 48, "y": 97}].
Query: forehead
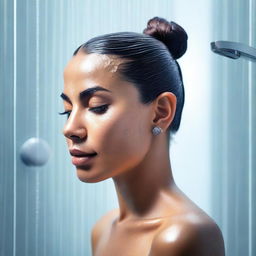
[
  {"x": 84, "y": 65},
  {"x": 88, "y": 70}
]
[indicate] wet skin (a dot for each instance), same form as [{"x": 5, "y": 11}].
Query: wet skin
[{"x": 154, "y": 217}]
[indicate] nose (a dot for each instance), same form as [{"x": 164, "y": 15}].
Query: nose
[
  {"x": 76, "y": 136},
  {"x": 74, "y": 128}
]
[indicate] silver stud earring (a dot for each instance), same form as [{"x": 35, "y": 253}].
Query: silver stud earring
[{"x": 157, "y": 130}]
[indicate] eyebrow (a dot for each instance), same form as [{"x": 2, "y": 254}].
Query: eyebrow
[{"x": 86, "y": 94}]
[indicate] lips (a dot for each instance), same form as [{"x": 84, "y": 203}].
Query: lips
[
  {"x": 82, "y": 160},
  {"x": 81, "y": 157},
  {"x": 79, "y": 153}
]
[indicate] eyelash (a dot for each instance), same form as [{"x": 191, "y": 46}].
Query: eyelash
[{"x": 98, "y": 110}]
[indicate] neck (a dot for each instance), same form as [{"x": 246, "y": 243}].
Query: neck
[{"x": 142, "y": 191}]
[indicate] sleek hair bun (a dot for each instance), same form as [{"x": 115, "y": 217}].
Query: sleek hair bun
[{"x": 170, "y": 33}]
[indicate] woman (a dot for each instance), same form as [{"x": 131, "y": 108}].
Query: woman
[{"x": 124, "y": 95}]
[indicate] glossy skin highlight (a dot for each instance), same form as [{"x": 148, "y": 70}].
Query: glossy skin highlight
[{"x": 154, "y": 217}]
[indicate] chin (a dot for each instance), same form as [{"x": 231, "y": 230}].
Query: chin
[{"x": 86, "y": 176}]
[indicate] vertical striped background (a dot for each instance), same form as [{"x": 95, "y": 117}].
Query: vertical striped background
[
  {"x": 47, "y": 210},
  {"x": 234, "y": 129}
]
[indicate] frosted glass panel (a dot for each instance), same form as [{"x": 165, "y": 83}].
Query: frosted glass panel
[
  {"x": 47, "y": 210},
  {"x": 234, "y": 123},
  {"x": 7, "y": 142}
]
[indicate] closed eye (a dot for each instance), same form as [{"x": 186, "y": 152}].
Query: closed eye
[
  {"x": 65, "y": 113},
  {"x": 98, "y": 110}
]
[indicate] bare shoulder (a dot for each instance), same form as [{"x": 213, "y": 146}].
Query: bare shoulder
[
  {"x": 192, "y": 235},
  {"x": 101, "y": 225}
]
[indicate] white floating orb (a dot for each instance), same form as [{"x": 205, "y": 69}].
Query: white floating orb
[{"x": 35, "y": 152}]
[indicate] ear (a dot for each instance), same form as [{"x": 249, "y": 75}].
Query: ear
[{"x": 164, "y": 110}]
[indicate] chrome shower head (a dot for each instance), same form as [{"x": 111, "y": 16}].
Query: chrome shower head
[{"x": 233, "y": 50}]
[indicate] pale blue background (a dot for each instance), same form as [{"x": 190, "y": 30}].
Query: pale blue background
[{"x": 48, "y": 210}]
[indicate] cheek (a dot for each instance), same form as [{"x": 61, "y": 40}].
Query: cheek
[{"x": 123, "y": 139}]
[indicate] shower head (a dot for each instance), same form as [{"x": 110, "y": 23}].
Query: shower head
[{"x": 233, "y": 50}]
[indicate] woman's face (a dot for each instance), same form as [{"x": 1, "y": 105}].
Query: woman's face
[{"x": 120, "y": 134}]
